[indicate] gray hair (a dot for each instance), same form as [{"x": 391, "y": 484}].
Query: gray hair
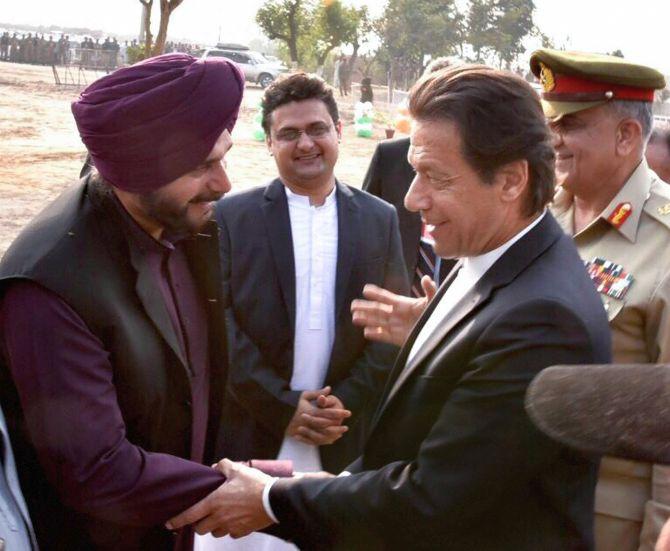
[{"x": 638, "y": 110}]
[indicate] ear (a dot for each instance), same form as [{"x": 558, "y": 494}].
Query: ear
[
  {"x": 512, "y": 180},
  {"x": 628, "y": 137},
  {"x": 338, "y": 129},
  {"x": 268, "y": 142}
]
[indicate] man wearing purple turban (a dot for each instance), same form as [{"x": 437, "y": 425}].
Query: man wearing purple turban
[{"x": 112, "y": 343}]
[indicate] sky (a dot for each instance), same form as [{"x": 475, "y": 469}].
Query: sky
[{"x": 639, "y": 29}]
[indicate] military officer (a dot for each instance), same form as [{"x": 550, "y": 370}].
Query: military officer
[{"x": 618, "y": 211}]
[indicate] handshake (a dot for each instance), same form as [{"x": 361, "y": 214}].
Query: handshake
[{"x": 237, "y": 507}]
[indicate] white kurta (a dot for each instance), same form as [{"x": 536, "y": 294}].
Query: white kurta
[{"x": 314, "y": 234}]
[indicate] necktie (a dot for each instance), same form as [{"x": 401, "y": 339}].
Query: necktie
[{"x": 427, "y": 263}]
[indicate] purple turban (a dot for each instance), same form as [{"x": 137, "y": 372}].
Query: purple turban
[{"x": 148, "y": 124}]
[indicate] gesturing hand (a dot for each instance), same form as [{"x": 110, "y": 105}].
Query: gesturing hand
[
  {"x": 235, "y": 507},
  {"x": 318, "y": 418},
  {"x": 387, "y": 317}
]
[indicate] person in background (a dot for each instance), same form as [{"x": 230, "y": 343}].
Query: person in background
[
  {"x": 16, "y": 529},
  {"x": 618, "y": 212},
  {"x": 303, "y": 379},
  {"x": 658, "y": 151}
]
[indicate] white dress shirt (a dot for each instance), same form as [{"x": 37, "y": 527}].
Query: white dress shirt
[{"x": 472, "y": 270}]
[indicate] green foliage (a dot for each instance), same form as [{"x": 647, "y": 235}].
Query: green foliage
[
  {"x": 311, "y": 29},
  {"x": 135, "y": 53},
  {"x": 334, "y": 25},
  {"x": 286, "y": 20},
  {"x": 497, "y": 28},
  {"x": 412, "y": 31}
]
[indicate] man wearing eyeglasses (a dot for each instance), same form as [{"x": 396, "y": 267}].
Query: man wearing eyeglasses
[{"x": 304, "y": 381}]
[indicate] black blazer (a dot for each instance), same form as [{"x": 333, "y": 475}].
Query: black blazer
[
  {"x": 259, "y": 283},
  {"x": 453, "y": 461},
  {"x": 389, "y": 177}
]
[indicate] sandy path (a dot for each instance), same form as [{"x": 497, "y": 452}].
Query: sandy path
[{"x": 40, "y": 150}]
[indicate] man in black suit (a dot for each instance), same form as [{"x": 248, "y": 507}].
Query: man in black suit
[
  {"x": 388, "y": 177},
  {"x": 294, "y": 257},
  {"x": 452, "y": 460}
]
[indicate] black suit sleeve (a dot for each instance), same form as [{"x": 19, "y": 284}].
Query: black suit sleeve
[
  {"x": 481, "y": 445},
  {"x": 372, "y": 183},
  {"x": 368, "y": 375},
  {"x": 255, "y": 384}
]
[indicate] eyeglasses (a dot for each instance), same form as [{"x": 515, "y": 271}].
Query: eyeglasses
[{"x": 317, "y": 130}]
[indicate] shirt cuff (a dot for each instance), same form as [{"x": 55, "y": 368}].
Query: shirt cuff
[{"x": 266, "y": 500}]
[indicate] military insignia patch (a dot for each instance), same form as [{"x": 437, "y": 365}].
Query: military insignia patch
[
  {"x": 547, "y": 78},
  {"x": 609, "y": 278},
  {"x": 620, "y": 214},
  {"x": 664, "y": 210}
]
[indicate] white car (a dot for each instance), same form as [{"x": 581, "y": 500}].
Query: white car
[{"x": 255, "y": 67}]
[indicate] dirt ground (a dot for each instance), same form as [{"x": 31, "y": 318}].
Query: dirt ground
[{"x": 41, "y": 153}]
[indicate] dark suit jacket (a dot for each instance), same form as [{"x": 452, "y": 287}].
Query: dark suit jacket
[
  {"x": 389, "y": 177},
  {"x": 259, "y": 279},
  {"x": 453, "y": 461}
]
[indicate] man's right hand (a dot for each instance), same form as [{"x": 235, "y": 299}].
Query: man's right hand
[
  {"x": 388, "y": 317},
  {"x": 318, "y": 418}
]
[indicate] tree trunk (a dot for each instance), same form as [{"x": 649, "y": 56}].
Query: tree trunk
[
  {"x": 148, "y": 37},
  {"x": 293, "y": 32},
  {"x": 167, "y": 7}
]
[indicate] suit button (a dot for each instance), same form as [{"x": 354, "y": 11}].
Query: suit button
[{"x": 188, "y": 403}]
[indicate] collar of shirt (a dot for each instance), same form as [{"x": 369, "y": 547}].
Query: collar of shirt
[
  {"x": 139, "y": 236},
  {"x": 475, "y": 267},
  {"x": 471, "y": 271},
  {"x": 634, "y": 193},
  {"x": 302, "y": 201}
]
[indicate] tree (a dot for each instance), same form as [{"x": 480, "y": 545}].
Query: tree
[
  {"x": 167, "y": 7},
  {"x": 146, "y": 25},
  {"x": 412, "y": 30},
  {"x": 513, "y": 22},
  {"x": 334, "y": 25},
  {"x": 285, "y": 20},
  {"x": 497, "y": 28}
]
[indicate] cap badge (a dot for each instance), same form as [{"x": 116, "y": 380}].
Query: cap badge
[
  {"x": 664, "y": 210},
  {"x": 547, "y": 78},
  {"x": 620, "y": 214}
]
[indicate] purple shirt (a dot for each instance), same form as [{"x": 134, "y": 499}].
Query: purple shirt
[
  {"x": 184, "y": 304},
  {"x": 62, "y": 371}
]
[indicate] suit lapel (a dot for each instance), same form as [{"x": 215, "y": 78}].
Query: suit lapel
[
  {"x": 154, "y": 305},
  {"x": 515, "y": 260},
  {"x": 348, "y": 230},
  {"x": 278, "y": 228},
  {"x": 401, "y": 358}
]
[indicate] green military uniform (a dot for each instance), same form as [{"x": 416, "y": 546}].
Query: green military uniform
[
  {"x": 628, "y": 492},
  {"x": 627, "y": 253}
]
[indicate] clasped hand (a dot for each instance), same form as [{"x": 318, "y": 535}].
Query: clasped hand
[{"x": 318, "y": 418}]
